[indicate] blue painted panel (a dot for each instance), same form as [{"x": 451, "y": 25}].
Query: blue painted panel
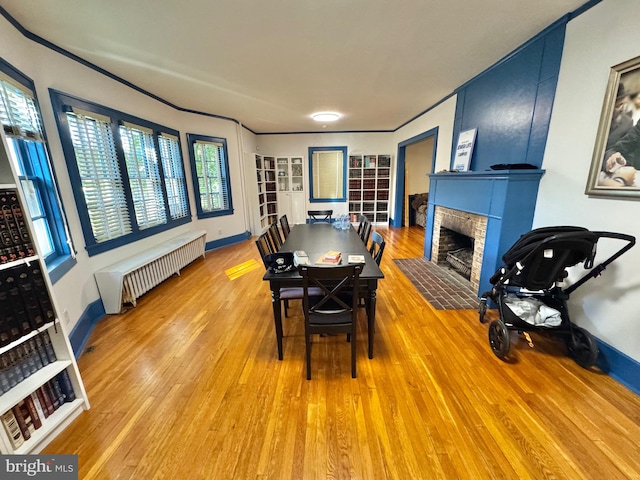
[
  {"x": 501, "y": 104},
  {"x": 428, "y": 234},
  {"x": 510, "y": 104},
  {"x": 461, "y": 194},
  {"x": 491, "y": 256},
  {"x": 554, "y": 43},
  {"x": 540, "y": 122}
]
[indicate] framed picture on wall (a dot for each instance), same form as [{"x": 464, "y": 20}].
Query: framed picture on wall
[
  {"x": 464, "y": 150},
  {"x": 615, "y": 165}
]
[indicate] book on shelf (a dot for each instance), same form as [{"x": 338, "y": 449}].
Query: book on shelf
[
  {"x": 22, "y": 421},
  {"x": 332, "y": 257},
  {"x": 356, "y": 259},
  {"x": 10, "y": 424}
]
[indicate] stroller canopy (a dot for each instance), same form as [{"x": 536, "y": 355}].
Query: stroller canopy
[{"x": 544, "y": 253}]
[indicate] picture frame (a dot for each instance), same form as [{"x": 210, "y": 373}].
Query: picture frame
[
  {"x": 615, "y": 164},
  {"x": 464, "y": 150}
]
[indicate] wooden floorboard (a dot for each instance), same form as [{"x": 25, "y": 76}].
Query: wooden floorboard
[{"x": 188, "y": 385}]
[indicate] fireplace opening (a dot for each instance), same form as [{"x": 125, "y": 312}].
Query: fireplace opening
[
  {"x": 457, "y": 230},
  {"x": 456, "y": 249}
]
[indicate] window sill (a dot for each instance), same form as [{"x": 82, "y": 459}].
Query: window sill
[{"x": 60, "y": 266}]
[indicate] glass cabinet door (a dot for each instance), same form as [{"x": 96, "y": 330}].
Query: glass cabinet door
[
  {"x": 296, "y": 174},
  {"x": 283, "y": 174}
]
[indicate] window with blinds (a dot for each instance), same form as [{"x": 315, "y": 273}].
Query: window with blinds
[
  {"x": 210, "y": 168},
  {"x": 173, "y": 175},
  {"x": 328, "y": 174},
  {"x": 22, "y": 124},
  {"x": 101, "y": 181},
  {"x": 128, "y": 172}
]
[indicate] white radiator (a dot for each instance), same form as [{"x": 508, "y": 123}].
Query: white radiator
[{"x": 129, "y": 279}]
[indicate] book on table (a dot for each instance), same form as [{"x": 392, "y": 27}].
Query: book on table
[
  {"x": 332, "y": 257},
  {"x": 300, "y": 257},
  {"x": 356, "y": 259}
]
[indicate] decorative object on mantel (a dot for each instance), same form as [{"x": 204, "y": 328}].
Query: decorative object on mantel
[
  {"x": 464, "y": 150},
  {"x": 513, "y": 166},
  {"x": 615, "y": 165}
]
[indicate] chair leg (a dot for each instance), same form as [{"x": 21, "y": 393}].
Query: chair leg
[
  {"x": 286, "y": 308},
  {"x": 353, "y": 354},
  {"x": 308, "y": 342}
]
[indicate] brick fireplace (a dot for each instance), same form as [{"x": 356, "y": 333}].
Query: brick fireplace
[
  {"x": 447, "y": 221},
  {"x": 492, "y": 207}
]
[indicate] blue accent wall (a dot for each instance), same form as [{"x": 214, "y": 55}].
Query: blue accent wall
[{"x": 510, "y": 104}]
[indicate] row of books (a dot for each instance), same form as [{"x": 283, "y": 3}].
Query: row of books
[
  {"x": 25, "y": 359},
  {"x": 24, "y": 418},
  {"x": 15, "y": 241},
  {"x": 25, "y": 304}
]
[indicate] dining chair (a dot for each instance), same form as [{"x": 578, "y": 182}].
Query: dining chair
[
  {"x": 366, "y": 232},
  {"x": 320, "y": 216},
  {"x": 284, "y": 224},
  {"x": 276, "y": 239},
  {"x": 377, "y": 247},
  {"x": 335, "y": 310},
  {"x": 362, "y": 221},
  {"x": 265, "y": 246}
]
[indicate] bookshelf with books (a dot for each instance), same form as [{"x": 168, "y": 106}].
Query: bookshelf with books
[
  {"x": 267, "y": 190},
  {"x": 369, "y": 186},
  {"x": 41, "y": 390}
]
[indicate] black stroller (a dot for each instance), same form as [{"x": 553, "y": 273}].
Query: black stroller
[{"x": 533, "y": 268}]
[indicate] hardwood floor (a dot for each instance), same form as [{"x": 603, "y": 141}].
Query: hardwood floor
[{"x": 187, "y": 385}]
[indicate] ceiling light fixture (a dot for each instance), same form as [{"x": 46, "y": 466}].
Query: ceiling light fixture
[{"x": 325, "y": 116}]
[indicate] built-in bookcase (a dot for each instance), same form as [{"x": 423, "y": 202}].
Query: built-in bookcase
[
  {"x": 369, "y": 184},
  {"x": 41, "y": 390},
  {"x": 267, "y": 189}
]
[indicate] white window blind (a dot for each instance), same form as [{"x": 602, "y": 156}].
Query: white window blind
[
  {"x": 18, "y": 112},
  {"x": 209, "y": 163},
  {"x": 328, "y": 174},
  {"x": 100, "y": 175},
  {"x": 144, "y": 175},
  {"x": 173, "y": 175}
]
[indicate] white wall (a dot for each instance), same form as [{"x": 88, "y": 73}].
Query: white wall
[
  {"x": 602, "y": 37},
  {"x": 77, "y": 289},
  {"x": 440, "y": 117},
  {"x": 419, "y": 157},
  {"x": 356, "y": 143}
]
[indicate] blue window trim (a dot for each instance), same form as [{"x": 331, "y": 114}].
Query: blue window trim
[
  {"x": 192, "y": 138},
  {"x": 312, "y": 199},
  {"x": 60, "y": 102},
  {"x": 45, "y": 173}
]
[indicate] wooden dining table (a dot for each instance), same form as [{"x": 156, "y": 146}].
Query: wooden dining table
[{"x": 316, "y": 240}]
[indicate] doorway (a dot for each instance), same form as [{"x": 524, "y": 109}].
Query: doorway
[{"x": 416, "y": 160}]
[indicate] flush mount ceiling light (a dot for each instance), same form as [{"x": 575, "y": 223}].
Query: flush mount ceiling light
[{"x": 325, "y": 116}]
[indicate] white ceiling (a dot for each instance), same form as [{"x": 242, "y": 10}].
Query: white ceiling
[{"x": 271, "y": 63}]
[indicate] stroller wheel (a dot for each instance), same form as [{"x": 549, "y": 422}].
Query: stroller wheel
[
  {"x": 499, "y": 338},
  {"x": 582, "y": 347},
  {"x": 482, "y": 309}
]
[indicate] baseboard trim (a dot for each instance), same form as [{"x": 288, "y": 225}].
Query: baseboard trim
[
  {"x": 224, "y": 242},
  {"x": 619, "y": 366},
  {"x": 79, "y": 336}
]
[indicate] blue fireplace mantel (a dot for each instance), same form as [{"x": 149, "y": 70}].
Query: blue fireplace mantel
[{"x": 506, "y": 197}]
